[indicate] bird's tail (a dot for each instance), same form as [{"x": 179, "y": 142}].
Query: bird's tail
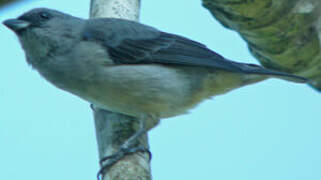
[
  {"x": 223, "y": 81},
  {"x": 255, "y": 69}
]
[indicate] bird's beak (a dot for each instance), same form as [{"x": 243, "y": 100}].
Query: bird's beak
[{"x": 16, "y": 24}]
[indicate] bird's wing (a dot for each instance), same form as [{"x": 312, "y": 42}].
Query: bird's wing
[{"x": 128, "y": 42}]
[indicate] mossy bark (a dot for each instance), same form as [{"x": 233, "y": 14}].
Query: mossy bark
[
  {"x": 5, "y": 2},
  {"x": 284, "y": 35}
]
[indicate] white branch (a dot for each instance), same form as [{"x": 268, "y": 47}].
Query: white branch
[
  {"x": 125, "y": 9},
  {"x": 113, "y": 129}
]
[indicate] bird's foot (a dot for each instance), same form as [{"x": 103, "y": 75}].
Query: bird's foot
[{"x": 108, "y": 161}]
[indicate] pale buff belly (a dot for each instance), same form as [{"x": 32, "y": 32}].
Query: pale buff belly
[{"x": 145, "y": 89}]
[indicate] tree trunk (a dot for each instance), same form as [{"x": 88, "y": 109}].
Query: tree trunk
[
  {"x": 113, "y": 129},
  {"x": 284, "y": 35}
]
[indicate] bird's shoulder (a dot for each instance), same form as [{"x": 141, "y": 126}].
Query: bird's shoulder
[{"x": 115, "y": 30}]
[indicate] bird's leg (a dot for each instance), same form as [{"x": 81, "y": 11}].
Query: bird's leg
[{"x": 128, "y": 147}]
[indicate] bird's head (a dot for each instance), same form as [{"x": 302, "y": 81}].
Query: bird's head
[{"x": 43, "y": 31}]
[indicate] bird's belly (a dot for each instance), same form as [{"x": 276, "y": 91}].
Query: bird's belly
[
  {"x": 141, "y": 89},
  {"x": 130, "y": 105}
]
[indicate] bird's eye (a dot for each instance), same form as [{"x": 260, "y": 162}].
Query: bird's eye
[{"x": 44, "y": 15}]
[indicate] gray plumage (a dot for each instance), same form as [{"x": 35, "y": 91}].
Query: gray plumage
[{"x": 128, "y": 67}]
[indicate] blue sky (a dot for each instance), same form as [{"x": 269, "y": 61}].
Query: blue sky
[{"x": 270, "y": 130}]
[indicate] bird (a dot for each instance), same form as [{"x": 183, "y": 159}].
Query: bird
[{"x": 128, "y": 67}]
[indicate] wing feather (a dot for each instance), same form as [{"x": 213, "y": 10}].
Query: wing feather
[{"x": 129, "y": 42}]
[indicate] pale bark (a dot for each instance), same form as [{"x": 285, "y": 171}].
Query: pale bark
[
  {"x": 113, "y": 129},
  {"x": 282, "y": 34}
]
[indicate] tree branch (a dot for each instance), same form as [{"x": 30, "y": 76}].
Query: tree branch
[
  {"x": 113, "y": 129},
  {"x": 284, "y": 35},
  {"x": 6, "y": 2}
]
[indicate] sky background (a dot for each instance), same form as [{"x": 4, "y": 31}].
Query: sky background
[{"x": 270, "y": 130}]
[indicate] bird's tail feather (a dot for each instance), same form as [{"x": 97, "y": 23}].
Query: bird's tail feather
[{"x": 255, "y": 69}]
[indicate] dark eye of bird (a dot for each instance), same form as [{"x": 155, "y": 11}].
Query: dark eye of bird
[{"x": 44, "y": 15}]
